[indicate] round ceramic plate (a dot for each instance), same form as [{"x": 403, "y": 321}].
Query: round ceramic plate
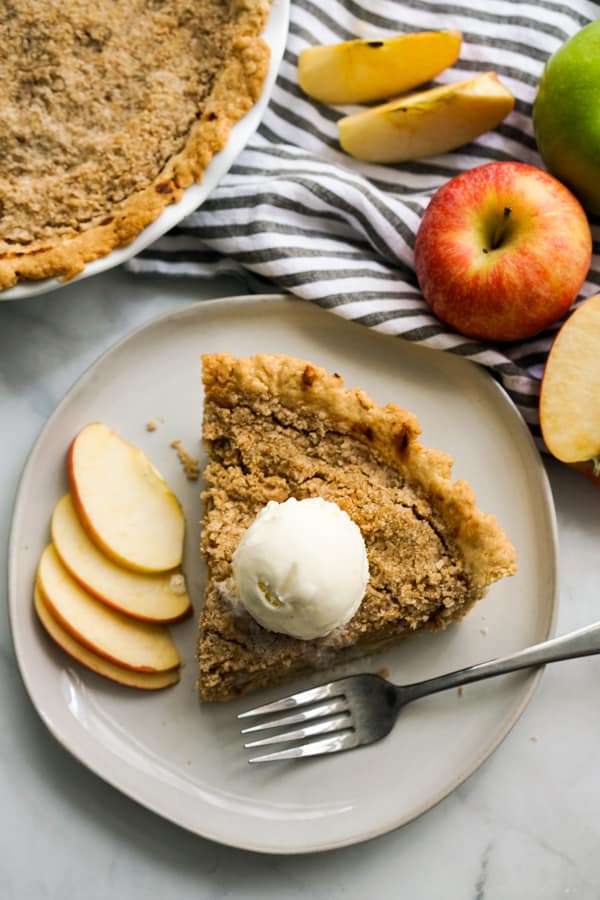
[
  {"x": 275, "y": 35},
  {"x": 185, "y": 760}
]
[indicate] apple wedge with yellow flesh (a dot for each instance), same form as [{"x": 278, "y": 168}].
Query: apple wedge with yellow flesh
[
  {"x": 123, "y": 502},
  {"x": 428, "y": 123},
  {"x": 143, "y": 646},
  {"x": 361, "y": 71},
  {"x": 159, "y": 597},
  {"x": 146, "y": 681},
  {"x": 570, "y": 391}
]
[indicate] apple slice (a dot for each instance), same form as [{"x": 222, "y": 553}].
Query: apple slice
[
  {"x": 427, "y": 123},
  {"x": 361, "y": 71},
  {"x": 123, "y": 502},
  {"x": 150, "y": 597},
  {"x": 146, "y": 681},
  {"x": 126, "y": 642},
  {"x": 570, "y": 391}
]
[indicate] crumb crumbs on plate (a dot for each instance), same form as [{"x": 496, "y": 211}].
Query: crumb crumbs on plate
[
  {"x": 151, "y": 425},
  {"x": 533, "y": 739},
  {"x": 483, "y": 631},
  {"x": 384, "y": 672},
  {"x": 461, "y": 690},
  {"x": 191, "y": 465}
]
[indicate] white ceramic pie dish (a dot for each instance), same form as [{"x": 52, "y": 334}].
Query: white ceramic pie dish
[{"x": 275, "y": 35}]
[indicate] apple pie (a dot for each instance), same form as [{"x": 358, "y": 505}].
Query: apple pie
[
  {"x": 276, "y": 427},
  {"x": 109, "y": 111}
]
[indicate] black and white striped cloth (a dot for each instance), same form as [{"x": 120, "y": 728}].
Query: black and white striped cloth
[{"x": 298, "y": 212}]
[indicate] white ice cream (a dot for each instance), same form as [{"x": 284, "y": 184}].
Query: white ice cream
[{"x": 301, "y": 568}]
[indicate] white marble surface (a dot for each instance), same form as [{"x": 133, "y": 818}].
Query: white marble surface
[{"x": 526, "y": 825}]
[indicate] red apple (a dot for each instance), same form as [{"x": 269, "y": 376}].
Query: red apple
[{"x": 502, "y": 251}]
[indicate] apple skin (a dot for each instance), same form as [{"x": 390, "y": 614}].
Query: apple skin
[
  {"x": 145, "y": 681},
  {"x": 361, "y": 71},
  {"x": 143, "y": 596},
  {"x": 586, "y": 469},
  {"x": 570, "y": 391},
  {"x": 427, "y": 123},
  {"x": 145, "y": 539},
  {"x": 126, "y": 642},
  {"x": 502, "y": 251},
  {"x": 565, "y": 115}
]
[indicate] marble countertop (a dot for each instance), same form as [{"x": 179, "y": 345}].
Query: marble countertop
[{"x": 525, "y": 825}]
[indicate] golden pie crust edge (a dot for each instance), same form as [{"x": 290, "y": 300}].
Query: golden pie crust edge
[
  {"x": 237, "y": 88},
  {"x": 389, "y": 430}
]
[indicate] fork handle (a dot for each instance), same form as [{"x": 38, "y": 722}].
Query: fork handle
[{"x": 583, "y": 642}]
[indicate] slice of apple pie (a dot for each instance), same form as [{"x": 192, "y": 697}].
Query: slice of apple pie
[{"x": 276, "y": 428}]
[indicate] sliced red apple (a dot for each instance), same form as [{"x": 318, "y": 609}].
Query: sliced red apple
[
  {"x": 124, "y": 503},
  {"x": 143, "y": 646},
  {"x": 150, "y": 597},
  {"x": 146, "y": 681},
  {"x": 570, "y": 391}
]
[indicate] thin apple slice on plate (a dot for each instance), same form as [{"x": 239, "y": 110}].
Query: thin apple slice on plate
[
  {"x": 428, "y": 123},
  {"x": 160, "y": 597},
  {"x": 570, "y": 391},
  {"x": 360, "y": 71},
  {"x": 146, "y": 681},
  {"x": 143, "y": 646},
  {"x": 124, "y": 503}
]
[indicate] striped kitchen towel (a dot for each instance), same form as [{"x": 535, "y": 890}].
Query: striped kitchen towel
[{"x": 298, "y": 212}]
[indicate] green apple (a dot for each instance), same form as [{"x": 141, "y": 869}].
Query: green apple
[{"x": 566, "y": 115}]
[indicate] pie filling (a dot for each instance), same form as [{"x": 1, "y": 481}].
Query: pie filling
[
  {"x": 271, "y": 434},
  {"x": 104, "y": 100}
]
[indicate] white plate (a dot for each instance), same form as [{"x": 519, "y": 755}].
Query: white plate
[
  {"x": 275, "y": 35},
  {"x": 185, "y": 761}
]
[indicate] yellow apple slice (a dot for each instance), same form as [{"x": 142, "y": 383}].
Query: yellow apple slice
[
  {"x": 427, "y": 123},
  {"x": 361, "y": 71},
  {"x": 142, "y": 646},
  {"x": 570, "y": 391},
  {"x": 160, "y": 597},
  {"x": 146, "y": 681},
  {"x": 123, "y": 502}
]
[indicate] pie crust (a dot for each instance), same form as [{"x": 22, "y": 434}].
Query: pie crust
[
  {"x": 276, "y": 427},
  {"x": 109, "y": 111}
]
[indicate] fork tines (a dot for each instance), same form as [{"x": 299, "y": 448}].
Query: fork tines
[{"x": 331, "y": 717}]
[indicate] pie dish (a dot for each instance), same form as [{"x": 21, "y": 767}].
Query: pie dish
[
  {"x": 110, "y": 115},
  {"x": 276, "y": 427}
]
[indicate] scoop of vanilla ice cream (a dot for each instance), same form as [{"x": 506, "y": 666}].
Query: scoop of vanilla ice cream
[{"x": 301, "y": 568}]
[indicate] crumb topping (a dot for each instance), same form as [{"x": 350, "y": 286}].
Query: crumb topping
[
  {"x": 190, "y": 464},
  {"x": 267, "y": 439},
  {"x": 103, "y": 101}
]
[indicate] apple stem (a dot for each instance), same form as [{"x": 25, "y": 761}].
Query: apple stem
[{"x": 500, "y": 229}]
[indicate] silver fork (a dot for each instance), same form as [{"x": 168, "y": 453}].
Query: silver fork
[{"x": 362, "y": 709}]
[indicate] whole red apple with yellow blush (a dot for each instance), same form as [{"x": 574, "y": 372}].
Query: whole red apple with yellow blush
[{"x": 502, "y": 251}]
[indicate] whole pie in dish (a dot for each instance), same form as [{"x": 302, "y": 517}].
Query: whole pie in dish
[
  {"x": 109, "y": 110},
  {"x": 276, "y": 427}
]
